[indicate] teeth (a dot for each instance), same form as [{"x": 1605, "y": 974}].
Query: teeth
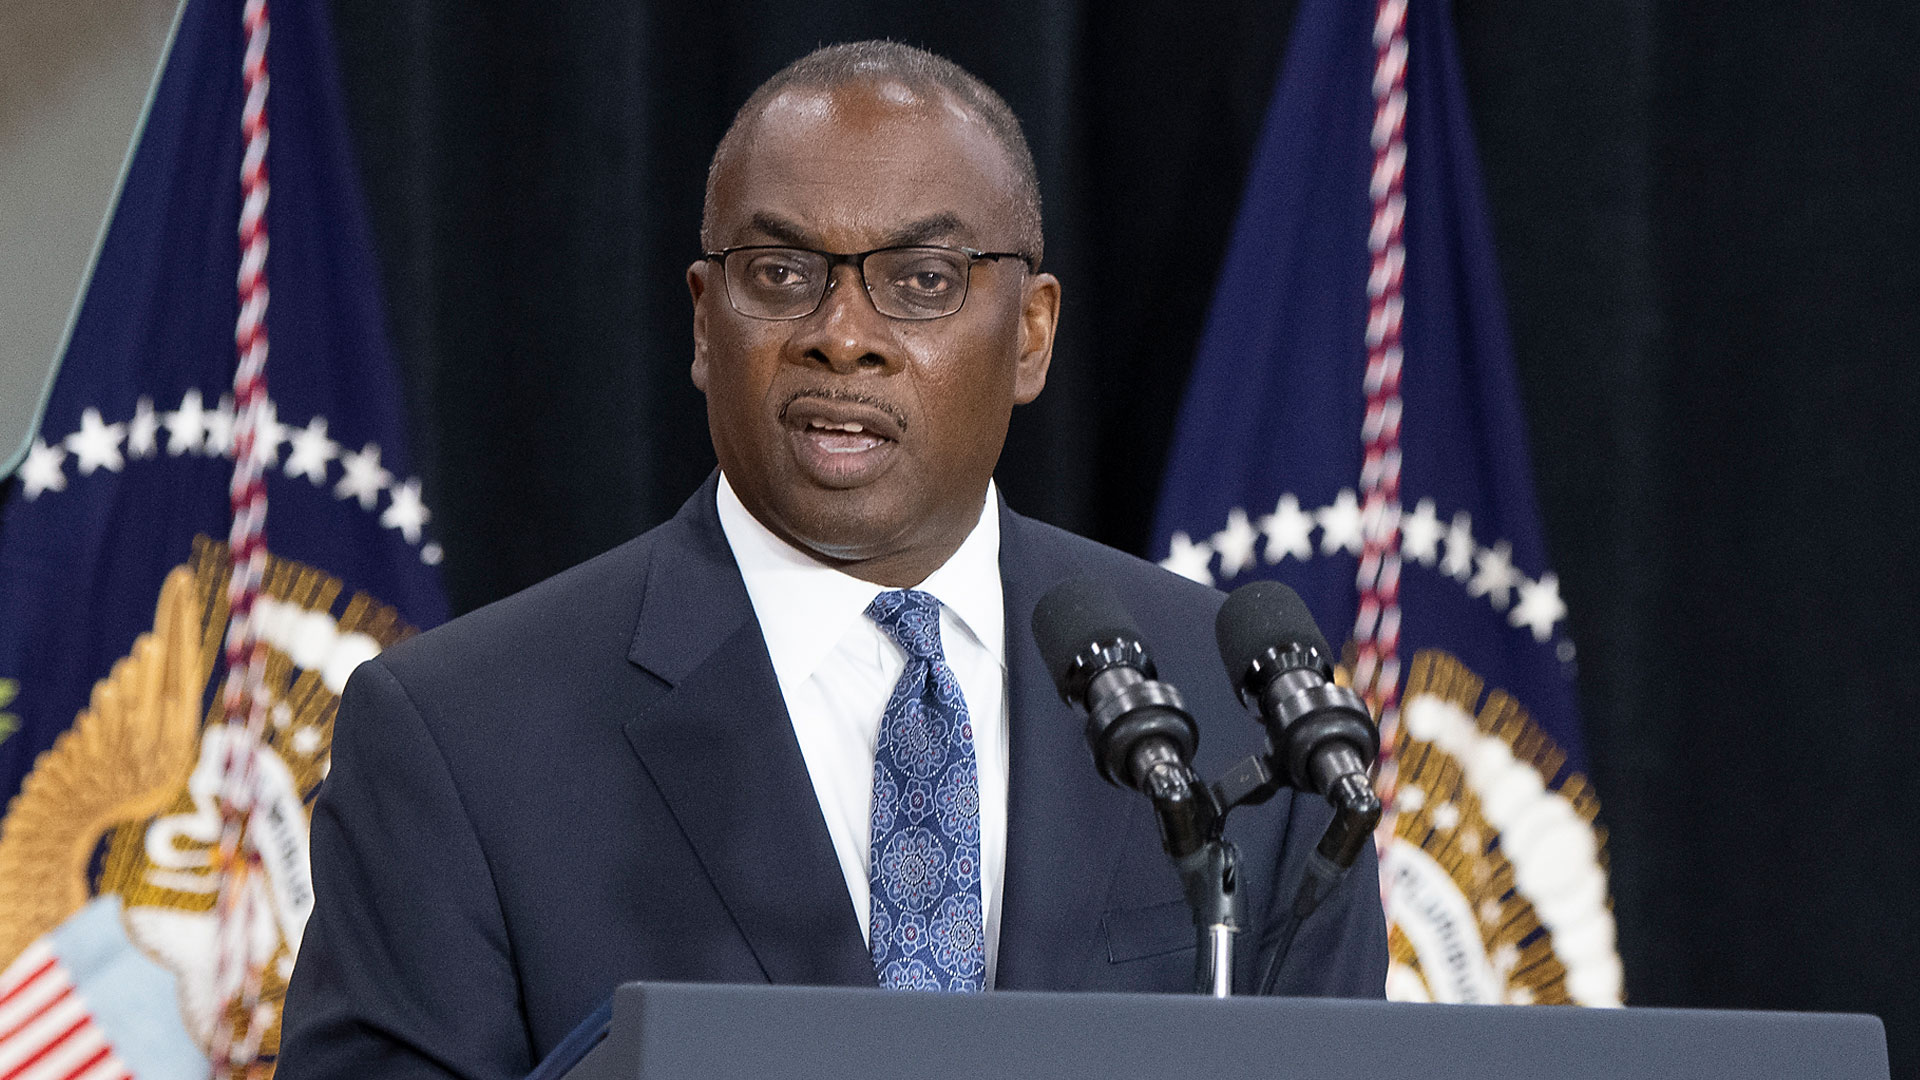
[{"x": 848, "y": 427}]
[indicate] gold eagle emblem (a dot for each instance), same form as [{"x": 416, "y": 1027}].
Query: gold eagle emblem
[{"x": 124, "y": 800}]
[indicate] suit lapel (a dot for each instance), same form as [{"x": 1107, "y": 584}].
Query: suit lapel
[
  {"x": 719, "y": 746},
  {"x": 1066, "y": 827}
]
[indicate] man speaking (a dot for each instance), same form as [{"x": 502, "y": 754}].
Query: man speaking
[{"x": 798, "y": 733}]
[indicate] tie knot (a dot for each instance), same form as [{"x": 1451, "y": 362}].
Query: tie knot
[{"x": 912, "y": 619}]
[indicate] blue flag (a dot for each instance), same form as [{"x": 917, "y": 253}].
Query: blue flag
[
  {"x": 113, "y": 563},
  {"x": 1494, "y": 877}
]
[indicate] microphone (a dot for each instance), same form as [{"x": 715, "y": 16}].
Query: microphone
[
  {"x": 1320, "y": 736},
  {"x": 1138, "y": 727}
]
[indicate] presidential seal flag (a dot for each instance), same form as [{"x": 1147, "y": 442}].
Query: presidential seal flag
[
  {"x": 1352, "y": 428},
  {"x": 213, "y": 525}
]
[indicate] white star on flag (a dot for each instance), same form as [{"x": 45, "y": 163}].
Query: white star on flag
[
  {"x": 97, "y": 444},
  {"x": 1188, "y": 559},
  {"x": 143, "y": 430},
  {"x": 1496, "y": 577},
  {"x": 1345, "y": 524},
  {"x": 406, "y": 512},
  {"x": 1420, "y": 534},
  {"x": 1458, "y": 563},
  {"x": 220, "y": 428},
  {"x": 1289, "y": 531},
  {"x": 1540, "y": 606},
  {"x": 1340, "y": 527},
  {"x": 364, "y": 479},
  {"x": 187, "y": 427},
  {"x": 42, "y": 470},
  {"x": 311, "y": 452},
  {"x": 1235, "y": 544},
  {"x": 268, "y": 434}
]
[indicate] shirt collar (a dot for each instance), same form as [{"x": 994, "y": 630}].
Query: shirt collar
[{"x": 805, "y": 607}]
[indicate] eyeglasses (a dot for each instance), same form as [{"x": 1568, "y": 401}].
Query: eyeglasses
[{"x": 903, "y": 282}]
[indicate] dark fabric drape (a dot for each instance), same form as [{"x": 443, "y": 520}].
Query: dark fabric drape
[
  {"x": 1705, "y": 213},
  {"x": 536, "y": 172}
]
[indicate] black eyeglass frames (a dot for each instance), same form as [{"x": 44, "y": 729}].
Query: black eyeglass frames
[{"x": 917, "y": 282}]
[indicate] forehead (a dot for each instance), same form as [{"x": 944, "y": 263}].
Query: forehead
[{"x": 852, "y": 167}]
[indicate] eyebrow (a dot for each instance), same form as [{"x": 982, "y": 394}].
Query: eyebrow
[{"x": 937, "y": 227}]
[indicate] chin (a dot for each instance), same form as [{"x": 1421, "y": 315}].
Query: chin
[{"x": 841, "y": 528}]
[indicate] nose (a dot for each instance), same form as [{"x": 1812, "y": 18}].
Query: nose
[{"x": 846, "y": 334}]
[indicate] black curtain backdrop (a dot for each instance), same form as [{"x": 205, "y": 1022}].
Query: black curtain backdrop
[{"x": 1706, "y": 214}]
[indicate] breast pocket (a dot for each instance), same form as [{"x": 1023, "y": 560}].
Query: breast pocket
[{"x": 1156, "y": 930}]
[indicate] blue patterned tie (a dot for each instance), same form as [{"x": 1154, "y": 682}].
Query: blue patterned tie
[{"x": 924, "y": 871}]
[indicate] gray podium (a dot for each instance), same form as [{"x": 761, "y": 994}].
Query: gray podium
[{"x": 665, "y": 1031}]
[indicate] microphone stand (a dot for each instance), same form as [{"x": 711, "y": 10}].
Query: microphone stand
[
  {"x": 1212, "y": 878},
  {"x": 1191, "y": 823},
  {"x": 1251, "y": 780},
  {"x": 1193, "y": 818}
]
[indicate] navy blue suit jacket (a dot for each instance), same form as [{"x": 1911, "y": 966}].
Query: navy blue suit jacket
[{"x": 596, "y": 781}]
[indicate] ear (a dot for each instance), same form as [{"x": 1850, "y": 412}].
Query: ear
[
  {"x": 698, "y": 285},
  {"x": 1039, "y": 316}
]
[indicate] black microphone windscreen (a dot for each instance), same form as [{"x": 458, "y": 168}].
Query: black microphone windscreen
[
  {"x": 1258, "y": 617},
  {"x": 1074, "y": 614}
]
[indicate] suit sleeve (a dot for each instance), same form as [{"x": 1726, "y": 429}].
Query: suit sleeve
[
  {"x": 405, "y": 968},
  {"x": 1340, "y": 950}
]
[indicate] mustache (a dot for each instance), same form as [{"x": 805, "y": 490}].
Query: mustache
[{"x": 851, "y": 397}]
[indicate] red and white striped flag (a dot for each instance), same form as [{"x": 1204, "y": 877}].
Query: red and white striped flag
[{"x": 47, "y": 1032}]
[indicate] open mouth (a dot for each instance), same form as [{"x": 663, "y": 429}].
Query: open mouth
[
  {"x": 840, "y": 443},
  {"x": 850, "y": 437}
]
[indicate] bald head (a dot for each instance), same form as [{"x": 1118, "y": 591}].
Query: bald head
[{"x": 903, "y": 76}]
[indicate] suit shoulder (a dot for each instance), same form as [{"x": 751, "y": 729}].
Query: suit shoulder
[
  {"x": 596, "y": 598},
  {"x": 1146, "y": 588}
]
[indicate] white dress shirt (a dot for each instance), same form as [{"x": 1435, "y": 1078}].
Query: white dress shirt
[{"x": 836, "y": 670}]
